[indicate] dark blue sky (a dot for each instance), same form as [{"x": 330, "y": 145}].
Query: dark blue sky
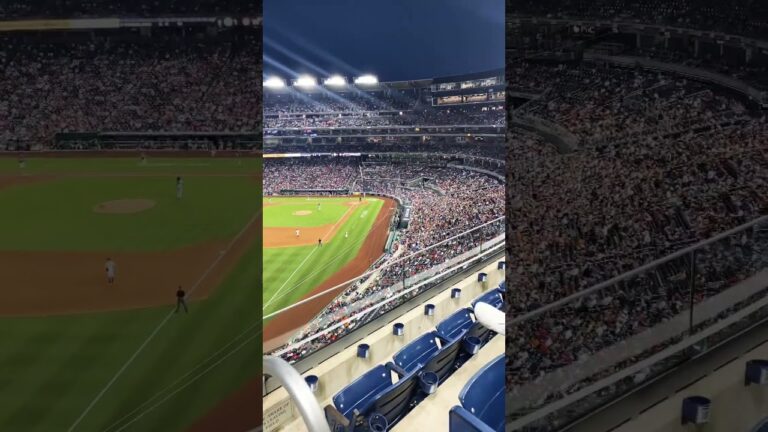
[{"x": 393, "y": 39}]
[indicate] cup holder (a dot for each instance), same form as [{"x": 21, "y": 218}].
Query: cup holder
[
  {"x": 378, "y": 423},
  {"x": 472, "y": 345},
  {"x": 428, "y": 382}
]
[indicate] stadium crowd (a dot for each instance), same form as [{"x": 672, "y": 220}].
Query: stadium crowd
[
  {"x": 445, "y": 202},
  {"x": 167, "y": 84},
  {"x": 747, "y": 17},
  {"x": 662, "y": 162},
  {"x": 26, "y": 9},
  {"x": 354, "y": 117}
]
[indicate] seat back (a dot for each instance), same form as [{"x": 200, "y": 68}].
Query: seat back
[
  {"x": 443, "y": 361},
  {"x": 483, "y": 395},
  {"x": 361, "y": 392},
  {"x": 394, "y": 402},
  {"x": 461, "y": 420},
  {"x": 492, "y": 297},
  {"x": 417, "y": 353},
  {"x": 456, "y": 325}
]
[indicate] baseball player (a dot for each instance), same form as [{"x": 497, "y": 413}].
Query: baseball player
[
  {"x": 179, "y": 187},
  {"x": 318, "y": 206},
  {"x": 143, "y": 158},
  {"x": 346, "y": 234},
  {"x": 319, "y": 242},
  {"x": 22, "y": 162},
  {"x": 297, "y": 233},
  {"x": 180, "y": 300},
  {"x": 110, "y": 268}
]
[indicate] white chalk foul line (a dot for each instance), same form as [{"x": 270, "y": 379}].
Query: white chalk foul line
[
  {"x": 279, "y": 290},
  {"x": 159, "y": 326},
  {"x": 195, "y": 378},
  {"x": 181, "y": 378}
]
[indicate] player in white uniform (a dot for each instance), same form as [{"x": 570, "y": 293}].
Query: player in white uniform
[
  {"x": 346, "y": 234},
  {"x": 110, "y": 268},
  {"x": 179, "y": 187},
  {"x": 297, "y": 233}
]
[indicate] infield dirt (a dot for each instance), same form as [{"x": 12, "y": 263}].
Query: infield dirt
[{"x": 40, "y": 283}]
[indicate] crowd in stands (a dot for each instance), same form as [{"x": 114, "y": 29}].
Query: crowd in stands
[
  {"x": 164, "y": 84},
  {"x": 445, "y": 202},
  {"x": 747, "y": 17},
  {"x": 362, "y": 115},
  {"x": 308, "y": 173},
  {"x": 28, "y": 9},
  {"x": 491, "y": 150},
  {"x": 352, "y": 101},
  {"x": 662, "y": 162}
]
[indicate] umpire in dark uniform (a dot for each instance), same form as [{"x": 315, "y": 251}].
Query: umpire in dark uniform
[{"x": 180, "y": 300}]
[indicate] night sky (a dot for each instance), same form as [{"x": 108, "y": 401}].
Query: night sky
[{"x": 395, "y": 40}]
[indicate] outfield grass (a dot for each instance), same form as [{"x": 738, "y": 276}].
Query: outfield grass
[
  {"x": 53, "y": 368},
  {"x": 292, "y": 272}
]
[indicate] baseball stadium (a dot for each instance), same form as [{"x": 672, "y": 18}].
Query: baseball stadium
[
  {"x": 130, "y": 218},
  {"x": 384, "y": 265}
]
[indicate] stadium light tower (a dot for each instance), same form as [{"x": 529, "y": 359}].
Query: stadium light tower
[
  {"x": 336, "y": 81},
  {"x": 274, "y": 82},
  {"x": 366, "y": 80},
  {"x": 305, "y": 81}
]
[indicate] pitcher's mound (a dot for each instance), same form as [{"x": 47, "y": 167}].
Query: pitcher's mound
[
  {"x": 124, "y": 206},
  {"x": 302, "y": 213}
]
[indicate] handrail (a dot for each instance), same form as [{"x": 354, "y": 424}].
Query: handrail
[
  {"x": 299, "y": 392},
  {"x": 631, "y": 273}
]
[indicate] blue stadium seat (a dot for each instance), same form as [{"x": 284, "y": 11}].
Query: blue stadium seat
[
  {"x": 461, "y": 420},
  {"x": 460, "y": 325},
  {"x": 492, "y": 297},
  {"x": 374, "y": 392},
  {"x": 424, "y": 355},
  {"x": 482, "y": 401}
]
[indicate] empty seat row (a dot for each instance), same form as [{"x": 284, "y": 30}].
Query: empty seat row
[{"x": 387, "y": 392}]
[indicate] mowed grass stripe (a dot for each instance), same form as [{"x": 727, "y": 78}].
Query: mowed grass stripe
[
  {"x": 69, "y": 356},
  {"x": 176, "y": 349},
  {"x": 279, "y": 263}
]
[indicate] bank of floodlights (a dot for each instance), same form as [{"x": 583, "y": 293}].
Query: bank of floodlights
[
  {"x": 274, "y": 82},
  {"x": 305, "y": 81},
  {"x": 366, "y": 80},
  {"x": 335, "y": 81}
]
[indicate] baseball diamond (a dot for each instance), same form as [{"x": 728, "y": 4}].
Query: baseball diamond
[
  {"x": 353, "y": 231},
  {"x": 113, "y": 357}
]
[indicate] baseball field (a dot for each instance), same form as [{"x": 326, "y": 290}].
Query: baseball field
[
  {"x": 312, "y": 244},
  {"x": 80, "y": 354}
]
